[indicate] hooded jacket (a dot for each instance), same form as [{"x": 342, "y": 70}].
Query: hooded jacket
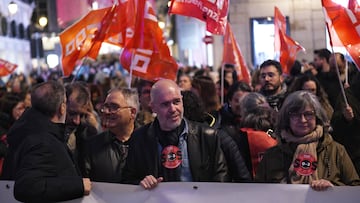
[{"x": 39, "y": 161}]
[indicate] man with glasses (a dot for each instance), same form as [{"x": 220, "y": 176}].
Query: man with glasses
[
  {"x": 272, "y": 83},
  {"x": 105, "y": 154},
  {"x": 172, "y": 148}
]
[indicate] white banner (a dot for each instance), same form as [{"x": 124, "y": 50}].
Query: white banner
[{"x": 188, "y": 192}]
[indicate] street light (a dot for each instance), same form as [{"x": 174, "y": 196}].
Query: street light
[
  {"x": 43, "y": 21},
  {"x": 13, "y": 7}
]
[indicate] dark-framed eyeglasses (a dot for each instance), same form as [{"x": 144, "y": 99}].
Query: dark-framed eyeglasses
[
  {"x": 112, "y": 108},
  {"x": 308, "y": 115}
]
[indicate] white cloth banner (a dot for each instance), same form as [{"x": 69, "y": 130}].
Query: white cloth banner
[{"x": 189, "y": 192}]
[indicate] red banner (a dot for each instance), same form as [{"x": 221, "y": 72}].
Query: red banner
[
  {"x": 279, "y": 24},
  {"x": 346, "y": 23},
  {"x": 85, "y": 37},
  {"x": 285, "y": 46},
  {"x": 213, "y": 12},
  {"x": 146, "y": 53},
  {"x": 6, "y": 67},
  {"x": 233, "y": 55},
  {"x": 289, "y": 49}
]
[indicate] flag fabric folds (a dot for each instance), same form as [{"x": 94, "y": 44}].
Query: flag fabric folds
[
  {"x": 6, "y": 67},
  {"x": 233, "y": 55},
  {"x": 345, "y": 22},
  {"x": 146, "y": 53},
  {"x": 128, "y": 24},
  {"x": 82, "y": 38},
  {"x": 285, "y": 47},
  {"x": 212, "y": 12}
]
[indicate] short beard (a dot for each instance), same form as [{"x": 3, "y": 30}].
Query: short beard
[{"x": 271, "y": 92}]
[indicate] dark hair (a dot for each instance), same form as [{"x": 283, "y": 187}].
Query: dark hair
[
  {"x": 193, "y": 107},
  {"x": 261, "y": 118},
  {"x": 78, "y": 91},
  {"x": 238, "y": 86},
  {"x": 323, "y": 53},
  {"x": 207, "y": 92},
  {"x": 47, "y": 97},
  {"x": 272, "y": 63},
  {"x": 142, "y": 83}
]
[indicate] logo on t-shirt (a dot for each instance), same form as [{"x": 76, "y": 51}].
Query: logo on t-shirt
[
  {"x": 171, "y": 157},
  {"x": 305, "y": 164}
]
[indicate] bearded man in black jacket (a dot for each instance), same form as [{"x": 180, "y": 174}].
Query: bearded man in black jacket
[{"x": 172, "y": 148}]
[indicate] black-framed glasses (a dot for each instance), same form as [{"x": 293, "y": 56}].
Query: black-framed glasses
[
  {"x": 308, "y": 115},
  {"x": 112, "y": 108}
]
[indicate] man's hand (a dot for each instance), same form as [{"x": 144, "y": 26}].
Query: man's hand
[
  {"x": 149, "y": 182},
  {"x": 87, "y": 186},
  {"x": 348, "y": 113},
  {"x": 321, "y": 185}
]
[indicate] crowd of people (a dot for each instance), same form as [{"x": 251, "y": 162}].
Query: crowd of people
[{"x": 58, "y": 135}]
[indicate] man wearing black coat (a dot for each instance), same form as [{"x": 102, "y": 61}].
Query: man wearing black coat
[
  {"x": 172, "y": 148},
  {"x": 38, "y": 159}
]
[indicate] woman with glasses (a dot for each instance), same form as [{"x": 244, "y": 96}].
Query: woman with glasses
[{"x": 306, "y": 154}]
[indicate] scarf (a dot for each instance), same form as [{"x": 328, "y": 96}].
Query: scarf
[
  {"x": 169, "y": 141},
  {"x": 303, "y": 168}
]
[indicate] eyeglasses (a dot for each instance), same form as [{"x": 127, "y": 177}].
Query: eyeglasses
[
  {"x": 308, "y": 115},
  {"x": 112, "y": 108}
]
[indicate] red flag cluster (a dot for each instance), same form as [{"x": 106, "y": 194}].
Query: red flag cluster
[
  {"x": 6, "y": 67},
  {"x": 345, "y": 22},
  {"x": 233, "y": 55},
  {"x": 213, "y": 12},
  {"x": 285, "y": 46},
  {"x": 133, "y": 27}
]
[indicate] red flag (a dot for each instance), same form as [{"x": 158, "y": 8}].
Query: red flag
[
  {"x": 84, "y": 38},
  {"x": 233, "y": 55},
  {"x": 289, "y": 49},
  {"x": 259, "y": 142},
  {"x": 213, "y": 12},
  {"x": 6, "y": 67},
  {"x": 279, "y": 24},
  {"x": 285, "y": 47},
  {"x": 346, "y": 23},
  {"x": 146, "y": 53}
]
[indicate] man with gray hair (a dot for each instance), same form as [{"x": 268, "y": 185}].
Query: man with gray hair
[
  {"x": 38, "y": 160},
  {"x": 105, "y": 154}
]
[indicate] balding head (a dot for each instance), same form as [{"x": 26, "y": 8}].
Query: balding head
[
  {"x": 162, "y": 87},
  {"x": 166, "y": 102}
]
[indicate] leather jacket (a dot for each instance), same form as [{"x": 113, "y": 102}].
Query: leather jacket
[{"x": 206, "y": 159}]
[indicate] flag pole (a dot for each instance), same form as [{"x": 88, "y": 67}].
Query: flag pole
[
  {"x": 336, "y": 66},
  {"x": 78, "y": 71},
  {"x": 222, "y": 83}
]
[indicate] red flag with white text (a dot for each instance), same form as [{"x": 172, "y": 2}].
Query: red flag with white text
[
  {"x": 84, "y": 38},
  {"x": 233, "y": 55},
  {"x": 6, "y": 67},
  {"x": 146, "y": 53},
  {"x": 213, "y": 12},
  {"x": 346, "y": 23}
]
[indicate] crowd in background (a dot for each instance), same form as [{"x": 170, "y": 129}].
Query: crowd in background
[{"x": 259, "y": 121}]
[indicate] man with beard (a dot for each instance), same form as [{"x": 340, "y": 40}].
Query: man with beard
[
  {"x": 272, "y": 83},
  {"x": 172, "y": 148},
  {"x": 81, "y": 122},
  {"x": 105, "y": 154}
]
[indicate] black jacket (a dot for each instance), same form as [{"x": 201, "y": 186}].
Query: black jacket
[
  {"x": 39, "y": 162},
  {"x": 207, "y": 161},
  {"x": 104, "y": 158}
]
